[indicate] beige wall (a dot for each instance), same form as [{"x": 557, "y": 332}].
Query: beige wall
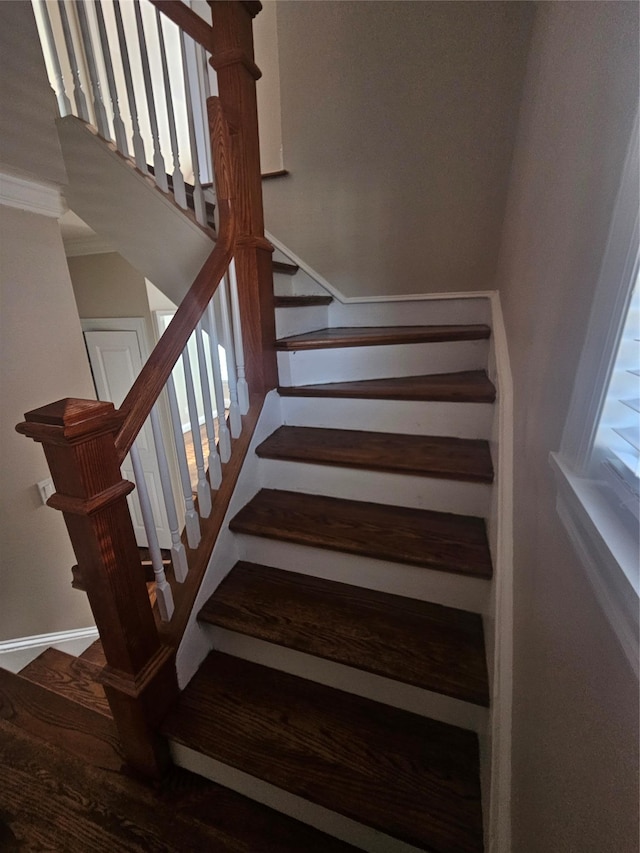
[
  {"x": 106, "y": 285},
  {"x": 398, "y": 122},
  {"x": 28, "y": 140},
  {"x": 42, "y": 360},
  {"x": 265, "y": 38},
  {"x": 576, "y": 699}
]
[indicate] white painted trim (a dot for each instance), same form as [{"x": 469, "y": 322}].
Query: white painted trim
[
  {"x": 31, "y": 196},
  {"x": 608, "y": 314},
  {"x": 46, "y": 640},
  {"x": 350, "y": 300},
  {"x": 499, "y": 813},
  {"x": 90, "y": 245},
  {"x": 607, "y": 550},
  {"x": 120, "y": 324}
]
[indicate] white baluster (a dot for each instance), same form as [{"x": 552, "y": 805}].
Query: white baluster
[
  {"x": 138, "y": 145},
  {"x": 199, "y": 205},
  {"x": 163, "y": 590},
  {"x": 206, "y": 86},
  {"x": 224, "y": 437},
  {"x": 160, "y": 172},
  {"x": 64, "y": 104},
  {"x": 191, "y": 520},
  {"x": 118, "y": 124},
  {"x": 215, "y": 468},
  {"x": 243, "y": 387},
  {"x": 178, "y": 553},
  {"x": 179, "y": 191},
  {"x": 78, "y": 95},
  {"x": 235, "y": 421},
  {"x": 87, "y": 42},
  {"x": 203, "y": 488}
]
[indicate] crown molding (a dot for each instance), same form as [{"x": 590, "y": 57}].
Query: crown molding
[{"x": 31, "y": 196}]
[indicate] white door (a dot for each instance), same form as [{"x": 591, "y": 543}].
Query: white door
[{"x": 116, "y": 361}]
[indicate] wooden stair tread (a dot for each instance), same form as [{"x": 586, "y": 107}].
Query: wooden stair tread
[
  {"x": 363, "y": 336},
  {"x": 430, "y": 456},
  {"x": 55, "y": 801},
  {"x": 413, "y": 778},
  {"x": 435, "y": 540},
  {"x": 471, "y": 386},
  {"x": 75, "y": 678},
  {"x": 46, "y": 714},
  {"x": 301, "y": 301},
  {"x": 94, "y": 654},
  {"x": 428, "y": 645},
  {"x": 284, "y": 267}
]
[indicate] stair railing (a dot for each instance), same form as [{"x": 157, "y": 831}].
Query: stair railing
[
  {"x": 105, "y": 54},
  {"x": 86, "y": 442}
]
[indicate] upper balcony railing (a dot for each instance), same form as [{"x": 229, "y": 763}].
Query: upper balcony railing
[{"x": 141, "y": 81}]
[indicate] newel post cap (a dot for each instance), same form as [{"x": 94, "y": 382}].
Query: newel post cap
[{"x": 70, "y": 420}]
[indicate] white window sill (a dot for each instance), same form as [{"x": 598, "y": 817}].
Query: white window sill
[{"x": 607, "y": 549}]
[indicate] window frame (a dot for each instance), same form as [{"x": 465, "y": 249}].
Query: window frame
[{"x": 604, "y": 540}]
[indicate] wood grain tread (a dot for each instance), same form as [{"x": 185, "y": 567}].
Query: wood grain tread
[
  {"x": 54, "y": 801},
  {"x": 471, "y": 386},
  {"x": 46, "y": 714},
  {"x": 301, "y": 301},
  {"x": 94, "y": 654},
  {"x": 284, "y": 267},
  {"x": 362, "y": 336},
  {"x": 427, "y": 645},
  {"x": 75, "y": 678},
  {"x": 413, "y": 778},
  {"x": 429, "y": 456},
  {"x": 434, "y": 540}
]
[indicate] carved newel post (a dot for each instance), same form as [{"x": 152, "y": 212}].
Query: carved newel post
[{"x": 139, "y": 678}]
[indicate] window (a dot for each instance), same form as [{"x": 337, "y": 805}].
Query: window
[{"x": 597, "y": 467}]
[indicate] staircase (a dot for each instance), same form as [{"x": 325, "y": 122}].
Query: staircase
[
  {"x": 340, "y": 663},
  {"x": 346, "y": 678}
]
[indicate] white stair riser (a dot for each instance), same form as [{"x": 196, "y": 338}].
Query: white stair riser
[
  {"x": 344, "y": 364},
  {"x": 377, "y": 487},
  {"x": 360, "y": 836},
  {"x": 375, "y": 687},
  {"x": 409, "y": 417},
  {"x": 297, "y": 321},
  {"x": 452, "y": 590},
  {"x": 299, "y": 284},
  {"x": 410, "y": 312}
]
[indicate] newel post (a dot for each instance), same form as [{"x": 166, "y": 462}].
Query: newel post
[
  {"x": 139, "y": 678},
  {"x": 233, "y": 59}
]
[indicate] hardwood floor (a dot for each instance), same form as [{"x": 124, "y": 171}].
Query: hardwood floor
[{"x": 56, "y": 802}]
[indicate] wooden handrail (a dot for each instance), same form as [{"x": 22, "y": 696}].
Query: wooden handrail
[
  {"x": 185, "y": 18},
  {"x": 152, "y": 378}
]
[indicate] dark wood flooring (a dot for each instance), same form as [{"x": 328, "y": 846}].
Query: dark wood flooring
[
  {"x": 419, "y": 455},
  {"x": 471, "y": 386},
  {"x": 62, "y": 790},
  {"x": 427, "y": 645},
  {"x": 359, "y": 336},
  {"x": 413, "y": 778},
  {"x": 435, "y": 540}
]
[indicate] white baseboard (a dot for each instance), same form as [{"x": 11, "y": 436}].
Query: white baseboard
[{"x": 17, "y": 653}]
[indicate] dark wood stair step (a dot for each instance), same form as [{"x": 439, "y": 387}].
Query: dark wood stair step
[
  {"x": 52, "y": 800},
  {"x": 367, "y": 336},
  {"x": 75, "y": 678},
  {"x": 284, "y": 267},
  {"x": 419, "y": 643},
  {"x": 429, "y": 456},
  {"x": 435, "y": 540},
  {"x": 301, "y": 301},
  {"x": 470, "y": 386},
  {"x": 94, "y": 654},
  {"x": 44, "y": 713},
  {"x": 413, "y": 778}
]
